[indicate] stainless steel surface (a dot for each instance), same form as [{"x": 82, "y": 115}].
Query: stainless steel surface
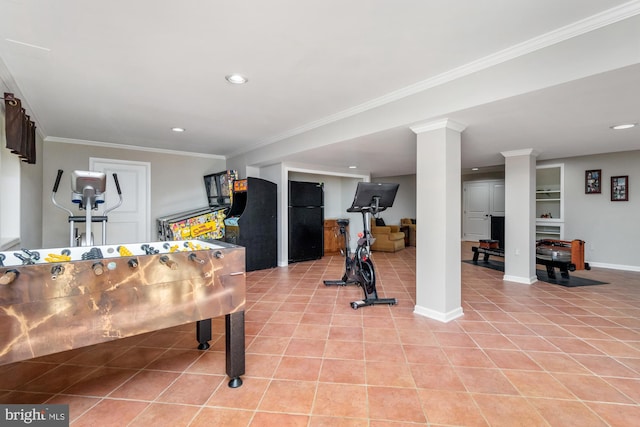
[{"x": 49, "y": 307}]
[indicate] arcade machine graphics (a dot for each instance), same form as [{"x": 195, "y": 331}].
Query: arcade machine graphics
[{"x": 202, "y": 223}]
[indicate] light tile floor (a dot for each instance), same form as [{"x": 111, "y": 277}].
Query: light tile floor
[{"x": 536, "y": 355}]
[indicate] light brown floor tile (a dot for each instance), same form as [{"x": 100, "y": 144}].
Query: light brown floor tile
[
  {"x": 248, "y": 396},
  {"x": 210, "y": 362},
  {"x": 566, "y": 412},
  {"x": 208, "y": 417},
  {"x": 471, "y": 357},
  {"x": 343, "y": 371},
  {"x": 111, "y": 413},
  {"x": 454, "y": 339},
  {"x": 191, "y": 389},
  {"x": 322, "y": 421},
  {"x": 587, "y": 387},
  {"x": 616, "y": 415},
  {"x": 537, "y": 384},
  {"x": 425, "y": 355},
  {"x": 101, "y": 381},
  {"x": 451, "y": 408},
  {"x": 162, "y": 414},
  {"x": 58, "y": 379},
  {"x": 508, "y": 411},
  {"x": 395, "y": 404},
  {"x": 341, "y": 400},
  {"x": 268, "y": 419},
  {"x": 289, "y": 396},
  {"x": 305, "y": 347},
  {"x": 78, "y": 405},
  {"x": 299, "y": 368},
  {"x": 483, "y": 380},
  {"x": 145, "y": 385},
  {"x": 268, "y": 345},
  {"x": 383, "y": 352},
  {"x": 389, "y": 374},
  {"x": 512, "y": 359},
  {"x": 344, "y": 350},
  {"x": 557, "y": 362},
  {"x": 495, "y": 341}
]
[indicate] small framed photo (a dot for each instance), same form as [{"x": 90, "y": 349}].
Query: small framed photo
[
  {"x": 592, "y": 181},
  {"x": 620, "y": 188}
]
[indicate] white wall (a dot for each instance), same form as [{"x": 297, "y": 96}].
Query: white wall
[
  {"x": 9, "y": 190},
  {"x": 177, "y": 182},
  {"x": 30, "y": 199},
  {"x": 611, "y": 230}
]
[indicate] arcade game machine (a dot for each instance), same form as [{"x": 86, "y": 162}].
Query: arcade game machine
[
  {"x": 206, "y": 222},
  {"x": 252, "y": 222}
]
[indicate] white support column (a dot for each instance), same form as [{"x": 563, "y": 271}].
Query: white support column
[
  {"x": 520, "y": 216},
  {"x": 438, "y": 235}
]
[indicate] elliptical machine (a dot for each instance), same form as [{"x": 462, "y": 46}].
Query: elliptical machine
[
  {"x": 370, "y": 198},
  {"x": 88, "y": 191}
]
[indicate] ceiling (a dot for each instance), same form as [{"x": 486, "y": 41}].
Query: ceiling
[{"x": 126, "y": 72}]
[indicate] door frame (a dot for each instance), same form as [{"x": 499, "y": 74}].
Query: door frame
[
  {"x": 492, "y": 184},
  {"x": 115, "y": 163}
]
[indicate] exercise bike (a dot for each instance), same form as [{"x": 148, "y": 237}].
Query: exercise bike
[
  {"x": 87, "y": 191},
  {"x": 370, "y": 198}
]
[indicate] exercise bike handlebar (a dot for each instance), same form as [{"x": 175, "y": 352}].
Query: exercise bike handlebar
[
  {"x": 117, "y": 205},
  {"x": 55, "y": 190},
  {"x": 55, "y": 186},
  {"x": 115, "y": 178}
]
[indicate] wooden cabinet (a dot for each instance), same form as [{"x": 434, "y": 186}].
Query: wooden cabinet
[{"x": 333, "y": 240}]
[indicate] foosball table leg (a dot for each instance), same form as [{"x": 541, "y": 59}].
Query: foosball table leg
[
  {"x": 203, "y": 333},
  {"x": 234, "y": 347}
]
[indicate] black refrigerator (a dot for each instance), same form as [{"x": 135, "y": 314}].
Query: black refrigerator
[{"x": 306, "y": 221}]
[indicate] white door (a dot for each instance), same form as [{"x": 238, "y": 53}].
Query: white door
[
  {"x": 476, "y": 211},
  {"x": 129, "y": 223},
  {"x": 481, "y": 201}
]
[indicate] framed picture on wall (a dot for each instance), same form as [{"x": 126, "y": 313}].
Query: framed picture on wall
[
  {"x": 620, "y": 188},
  {"x": 592, "y": 181}
]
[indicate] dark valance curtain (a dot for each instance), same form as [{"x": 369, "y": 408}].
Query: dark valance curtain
[{"x": 20, "y": 130}]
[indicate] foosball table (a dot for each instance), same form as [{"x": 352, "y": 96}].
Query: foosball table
[{"x": 59, "y": 299}]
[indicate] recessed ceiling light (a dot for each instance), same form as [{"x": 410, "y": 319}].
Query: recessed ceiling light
[
  {"x": 474, "y": 169},
  {"x": 178, "y": 129},
  {"x": 236, "y": 79},
  {"x": 353, "y": 167},
  {"x": 624, "y": 126}
]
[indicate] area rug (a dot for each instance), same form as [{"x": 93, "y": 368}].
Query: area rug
[{"x": 571, "y": 282}]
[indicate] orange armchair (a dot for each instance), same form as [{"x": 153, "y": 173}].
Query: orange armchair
[{"x": 389, "y": 238}]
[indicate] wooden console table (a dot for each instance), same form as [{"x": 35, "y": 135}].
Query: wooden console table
[{"x": 333, "y": 241}]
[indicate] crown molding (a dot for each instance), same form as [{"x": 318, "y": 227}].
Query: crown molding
[
  {"x": 591, "y": 23},
  {"x": 523, "y": 152},
  {"x": 438, "y": 124},
  {"x": 130, "y": 147}
]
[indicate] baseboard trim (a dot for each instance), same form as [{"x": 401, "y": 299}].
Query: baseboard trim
[
  {"x": 518, "y": 279},
  {"x": 615, "y": 266},
  {"x": 437, "y": 315}
]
